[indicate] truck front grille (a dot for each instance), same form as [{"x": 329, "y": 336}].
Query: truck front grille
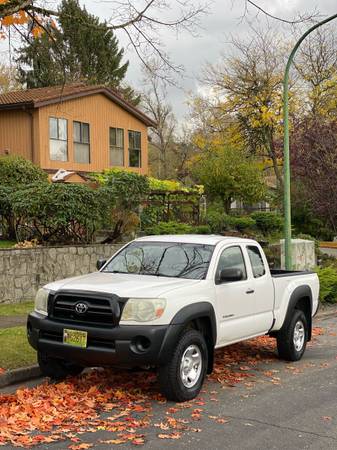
[{"x": 96, "y": 310}]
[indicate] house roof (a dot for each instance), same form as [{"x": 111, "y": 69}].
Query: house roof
[{"x": 36, "y": 98}]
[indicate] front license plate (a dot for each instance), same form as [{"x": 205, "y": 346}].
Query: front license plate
[{"x": 75, "y": 337}]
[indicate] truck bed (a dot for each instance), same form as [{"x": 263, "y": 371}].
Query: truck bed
[{"x": 278, "y": 273}]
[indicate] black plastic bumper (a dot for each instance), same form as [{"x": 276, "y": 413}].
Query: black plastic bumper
[{"x": 125, "y": 345}]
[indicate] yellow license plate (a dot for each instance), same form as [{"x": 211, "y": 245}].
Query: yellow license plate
[{"x": 75, "y": 337}]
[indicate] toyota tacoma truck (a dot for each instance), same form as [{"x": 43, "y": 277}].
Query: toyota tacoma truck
[{"x": 169, "y": 302}]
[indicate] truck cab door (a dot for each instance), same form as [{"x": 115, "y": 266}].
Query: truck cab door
[
  {"x": 263, "y": 288},
  {"x": 237, "y": 308}
]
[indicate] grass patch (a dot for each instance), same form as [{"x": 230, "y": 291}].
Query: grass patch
[
  {"x": 15, "y": 350},
  {"x": 7, "y": 244},
  {"x": 18, "y": 309}
]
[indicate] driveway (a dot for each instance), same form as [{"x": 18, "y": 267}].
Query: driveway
[{"x": 253, "y": 401}]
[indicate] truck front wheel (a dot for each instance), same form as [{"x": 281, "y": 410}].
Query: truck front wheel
[
  {"x": 57, "y": 368},
  {"x": 292, "y": 340},
  {"x": 182, "y": 377}
]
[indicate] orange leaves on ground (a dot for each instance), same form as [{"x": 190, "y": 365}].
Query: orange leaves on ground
[
  {"x": 318, "y": 331},
  {"x": 82, "y": 446},
  {"x": 63, "y": 411},
  {"x": 169, "y": 436}
]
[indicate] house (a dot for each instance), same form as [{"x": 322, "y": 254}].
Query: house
[{"x": 76, "y": 128}]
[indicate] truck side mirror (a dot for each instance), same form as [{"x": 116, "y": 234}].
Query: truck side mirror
[
  {"x": 100, "y": 263},
  {"x": 230, "y": 274}
]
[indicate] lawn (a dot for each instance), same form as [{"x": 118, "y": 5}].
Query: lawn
[
  {"x": 6, "y": 244},
  {"x": 18, "y": 309},
  {"x": 15, "y": 350}
]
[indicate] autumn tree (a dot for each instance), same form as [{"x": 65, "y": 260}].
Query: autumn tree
[
  {"x": 229, "y": 174},
  {"x": 314, "y": 165},
  {"x": 247, "y": 87},
  {"x": 317, "y": 66},
  {"x": 154, "y": 103}
]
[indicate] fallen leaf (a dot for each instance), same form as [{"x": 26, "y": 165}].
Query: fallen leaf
[{"x": 170, "y": 436}]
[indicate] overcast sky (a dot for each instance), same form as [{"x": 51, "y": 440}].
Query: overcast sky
[{"x": 224, "y": 18}]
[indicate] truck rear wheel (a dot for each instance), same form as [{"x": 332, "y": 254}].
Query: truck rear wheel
[
  {"x": 182, "y": 377},
  {"x": 292, "y": 341},
  {"x": 57, "y": 368}
]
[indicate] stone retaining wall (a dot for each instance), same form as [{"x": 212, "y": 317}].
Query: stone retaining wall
[{"x": 24, "y": 271}]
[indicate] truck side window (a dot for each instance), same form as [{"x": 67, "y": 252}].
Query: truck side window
[
  {"x": 256, "y": 261},
  {"x": 232, "y": 258}
]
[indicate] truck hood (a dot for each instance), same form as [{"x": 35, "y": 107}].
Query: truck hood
[{"x": 123, "y": 285}]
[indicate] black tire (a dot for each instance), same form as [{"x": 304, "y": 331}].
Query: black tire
[
  {"x": 170, "y": 379},
  {"x": 285, "y": 338},
  {"x": 57, "y": 369}
]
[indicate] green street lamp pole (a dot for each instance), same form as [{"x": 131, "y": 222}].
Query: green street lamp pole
[{"x": 286, "y": 166}]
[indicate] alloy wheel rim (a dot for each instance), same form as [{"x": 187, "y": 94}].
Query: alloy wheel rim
[
  {"x": 191, "y": 366},
  {"x": 299, "y": 335}
]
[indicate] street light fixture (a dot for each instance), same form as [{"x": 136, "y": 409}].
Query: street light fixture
[{"x": 286, "y": 160}]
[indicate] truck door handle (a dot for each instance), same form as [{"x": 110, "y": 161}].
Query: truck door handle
[{"x": 250, "y": 291}]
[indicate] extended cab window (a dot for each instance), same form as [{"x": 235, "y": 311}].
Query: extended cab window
[
  {"x": 232, "y": 258},
  {"x": 256, "y": 261},
  {"x": 163, "y": 259}
]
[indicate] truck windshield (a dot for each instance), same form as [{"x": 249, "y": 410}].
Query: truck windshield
[{"x": 163, "y": 259}]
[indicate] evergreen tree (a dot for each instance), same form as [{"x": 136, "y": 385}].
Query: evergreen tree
[{"x": 79, "y": 49}]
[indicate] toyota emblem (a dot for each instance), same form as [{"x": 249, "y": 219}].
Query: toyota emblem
[{"x": 81, "y": 308}]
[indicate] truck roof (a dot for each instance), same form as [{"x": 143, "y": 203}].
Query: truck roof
[{"x": 209, "y": 239}]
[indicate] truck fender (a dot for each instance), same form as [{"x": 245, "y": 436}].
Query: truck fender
[
  {"x": 182, "y": 318},
  {"x": 301, "y": 292}
]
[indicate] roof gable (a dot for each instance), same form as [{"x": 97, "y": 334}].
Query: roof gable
[{"x": 36, "y": 98}]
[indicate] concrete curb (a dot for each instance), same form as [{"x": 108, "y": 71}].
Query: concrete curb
[{"x": 18, "y": 375}]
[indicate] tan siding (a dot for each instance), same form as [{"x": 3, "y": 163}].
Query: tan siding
[
  {"x": 15, "y": 133},
  {"x": 101, "y": 114}
]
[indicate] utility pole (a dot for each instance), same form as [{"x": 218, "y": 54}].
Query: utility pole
[{"x": 286, "y": 161}]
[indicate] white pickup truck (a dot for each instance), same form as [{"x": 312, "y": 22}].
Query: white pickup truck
[{"x": 169, "y": 302}]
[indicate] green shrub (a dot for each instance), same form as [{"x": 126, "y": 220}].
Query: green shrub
[
  {"x": 202, "y": 229},
  {"x": 219, "y": 222},
  {"x": 15, "y": 170},
  {"x": 58, "y": 212},
  {"x": 240, "y": 223},
  {"x": 170, "y": 228},
  {"x": 268, "y": 222},
  {"x": 178, "y": 228},
  {"x": 216, "y": 220},
  {"x": 328, "y": 284},
  {"x": 128, "y": 189}
]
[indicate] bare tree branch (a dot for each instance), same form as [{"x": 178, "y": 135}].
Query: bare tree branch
[
  {"x": 301, "y": 18},
  {"x": 142, "y": 26}
]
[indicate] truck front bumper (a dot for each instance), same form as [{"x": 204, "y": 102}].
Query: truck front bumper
[{"x": 122, "y": 346}]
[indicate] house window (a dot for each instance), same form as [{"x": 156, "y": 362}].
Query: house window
[
  {"x": 116, "y": 147},
  {"x": 135, "y": 153},
  {"x": 58, "y": 139},
  {"x": 81, "y": 143}
]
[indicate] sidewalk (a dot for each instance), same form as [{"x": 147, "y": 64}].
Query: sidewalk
[{"x": 12, "y": 321}]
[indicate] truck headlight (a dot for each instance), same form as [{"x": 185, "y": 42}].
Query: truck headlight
[
  {"x": 143, "y": 309},
  {"x": 41, "y": 301}
]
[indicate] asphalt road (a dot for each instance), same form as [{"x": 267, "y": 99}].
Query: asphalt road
[{"x": 294, "y": 409}]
